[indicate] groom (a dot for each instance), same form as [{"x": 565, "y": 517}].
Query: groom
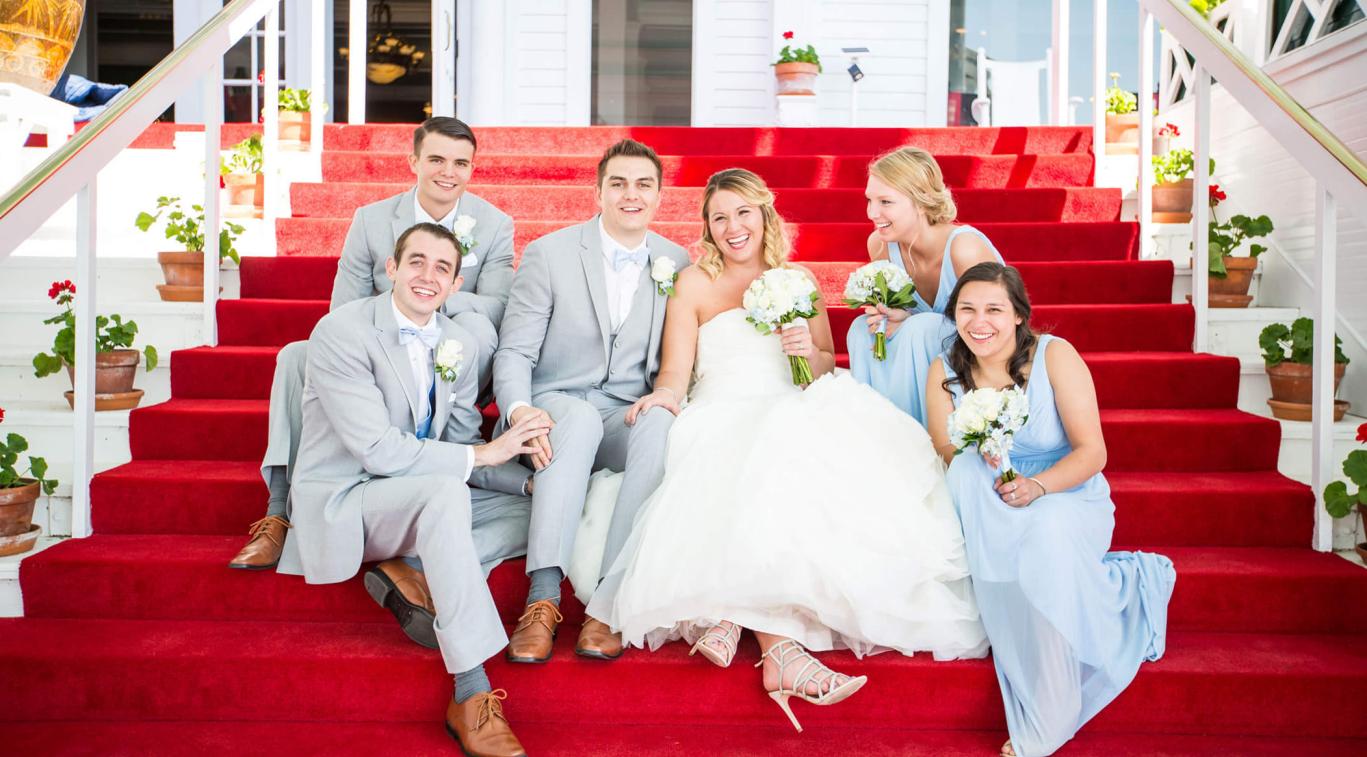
[
  {"x": 580, "y": 343},
  {"x": 389, "y": 454}
]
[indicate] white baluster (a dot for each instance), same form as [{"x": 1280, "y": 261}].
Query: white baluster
[
  {"x": 1099, "y": 79},
  {"x": 213, "y": 123},
  {"x": 270, "y": 125},
  {"x": 355, "y": 70},
  {"x": 1145, "y": 104},
  {"x": 83, "y": 454},
  {"x": 1200, "y": 210},
  {"x": 1322, "y": 460}
]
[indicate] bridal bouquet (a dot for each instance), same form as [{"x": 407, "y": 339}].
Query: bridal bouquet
[
  {"x": 990, "y": 419},
  {"x": 777, "y": 298},
  {"x": 880, "y": 283}
]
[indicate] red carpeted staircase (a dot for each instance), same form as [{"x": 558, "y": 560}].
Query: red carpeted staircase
[{"x": 139, "y": 640}]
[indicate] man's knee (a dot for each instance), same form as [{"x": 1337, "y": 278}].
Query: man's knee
[
  {"x": 446, "y": 499},
  {"x": 652, "y": 426},
  {"x": 576, "y": 422}
]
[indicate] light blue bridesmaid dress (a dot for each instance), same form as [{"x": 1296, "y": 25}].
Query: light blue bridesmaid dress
[
  {"x": 902, "y": 377},
  {"x": 1069, "y": 622}
]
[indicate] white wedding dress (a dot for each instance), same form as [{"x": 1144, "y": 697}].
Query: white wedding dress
[{"x": 820, "y": 515}]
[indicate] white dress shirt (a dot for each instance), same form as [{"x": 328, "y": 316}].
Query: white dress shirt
[
  {"x": 424, "y": 374},
  {"x": 621, "y": 285},
  {"x": 421, "y": 216}
]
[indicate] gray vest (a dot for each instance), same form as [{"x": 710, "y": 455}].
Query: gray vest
[{"x": 626, "y": 376}]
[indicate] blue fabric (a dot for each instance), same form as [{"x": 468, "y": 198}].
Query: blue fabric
[
  {"x": 89, "y": 97},
  {"x": 427, "y": 336},
  {"x": 424, "y": 428},
  {"x": 621, "y": 257},
  {"x": 918, "y": 341},
  {"x": 1069, "y": 621}
]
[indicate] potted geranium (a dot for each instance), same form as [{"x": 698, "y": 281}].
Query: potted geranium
[
  {"x": 1162, "y": 138},
  {"x": 1122, "y": 118},
  {"x": 796, "y": 68},
  {"x": 1172, "y": 185},
  {"x": 18, "y": 493},
  {"x": 1230, "y": 275},
  {"x": 296, "y": 119},
  {"x": 184, "y": 271},
  {"x": 1338, "y": 501},
  {"x": 1288, "y": 352},
  {"x": 243, "y": 179},
  {"x": 115, "y": 363}
]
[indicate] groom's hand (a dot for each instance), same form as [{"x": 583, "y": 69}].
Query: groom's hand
[
  {"x": 662, "y": 397},
  {"x": 540, "y": 452},
  {"x": 517, "y": 440}
]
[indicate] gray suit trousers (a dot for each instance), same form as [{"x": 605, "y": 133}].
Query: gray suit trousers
[
  {"x": 591, "y": 434},
  {"x": 430, "y": 517}
]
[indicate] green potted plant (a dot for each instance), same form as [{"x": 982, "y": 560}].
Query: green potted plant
[
  {"x": 296, "y": 119},
  {"x": 1338, "y": 501},
  {"x": 1172, "y": 185},
  {"x": 116, "y": 364},
  {"x": 184, "y": 271},
  {"x": 18, "y": 493},
  {"x": 1287, "y": 355},
  {"x": 1230, "y": 275},
  {"x": 1122, "y": 118},
  {"x": 242, "y": 178},
  {"x": 796, "y": 68}
]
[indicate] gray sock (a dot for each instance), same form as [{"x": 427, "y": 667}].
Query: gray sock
[
  {"x": 471, "y": 682},
  {"x": 545, "y": 585},
  {"x": 280, "y": 492},
  {"x": 413, "y": 562}
]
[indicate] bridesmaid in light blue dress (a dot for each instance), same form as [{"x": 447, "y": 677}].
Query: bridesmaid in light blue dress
[
  {"x": 1069, "y": 621},
  {"x": 913, "y": 215}
]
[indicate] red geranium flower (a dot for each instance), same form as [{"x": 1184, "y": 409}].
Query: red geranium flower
[
  {"x": 261, "y": 76},
  {"x": 1362, "y": 431},
  {"x": 221, "y": 183},
  {"x": 787, "y": 35},
  {"x": 1217, "y": 196},
  {"x": 1169, "y": 130},
  {"x": 60, "y": 286},
  {"x": 2, "y": 415}
]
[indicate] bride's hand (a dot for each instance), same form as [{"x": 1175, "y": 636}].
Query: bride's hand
[
  {"x": 797, "y": 340},
  {"x": 662, "y": 397},
  {"x": 880, "y": 313}
]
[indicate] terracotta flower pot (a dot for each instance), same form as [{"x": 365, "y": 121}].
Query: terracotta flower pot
[
  {"x": 796, "y": 78},
  {"x": 1122, "y": 133},
  {"x": 114, "y": 371},
  {"x": 1232, "y": 290},
  {"x": 1172, "y": 202},
  {"x": 36, "y": 40},
  {"x": 295, "y": 130},
  {"x": 184, "y": 274},
  {"x": 246, "y": 195},
  {"x": 16, "y": 507},
  {"x": 1292, "y": 389}
]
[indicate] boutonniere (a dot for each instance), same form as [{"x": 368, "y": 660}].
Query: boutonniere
[
  {"x": 449, "y": 356},
  {"x": 664, "y": 274},
  {"x": 464, "y": 229}
]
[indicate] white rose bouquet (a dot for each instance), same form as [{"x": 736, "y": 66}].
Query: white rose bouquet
[
  {"x": 880, "y": 283},
  {"x": 779, "y": 297},
  {"x": 990, "y": 419}
]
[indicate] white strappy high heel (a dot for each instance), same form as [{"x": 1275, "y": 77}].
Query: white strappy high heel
[
  {"x": 788, "y": 652},
  {"x": 729, "y": 638}
]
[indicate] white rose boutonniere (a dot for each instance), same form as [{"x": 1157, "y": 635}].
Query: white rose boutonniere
[
  {"x": 464, "y": 229},
  {"x": 450, "y": 354},
  {"x": 663, "y": 272}
]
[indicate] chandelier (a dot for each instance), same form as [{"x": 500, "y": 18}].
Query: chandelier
[{"x": 388, "y": 55}]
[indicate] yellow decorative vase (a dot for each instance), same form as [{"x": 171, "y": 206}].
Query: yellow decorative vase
[{"x": 36, "y": 39}]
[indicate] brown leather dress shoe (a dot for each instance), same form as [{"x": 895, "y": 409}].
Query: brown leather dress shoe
[
  {"x": 398, "y": 588},
  {"x": 478, "y": 725},
  {"x": 535, "y": 633},
  {"x": 263, "y": 549},
  {"x": 597, "y": 640}
]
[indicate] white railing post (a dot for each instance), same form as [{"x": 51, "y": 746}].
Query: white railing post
[
  {"x": 443, "y": 62},
  {"x": 1200, "y": 211},
  {"x": 1145, "y": 105},
  {"x": 1322, "y": 400},
  {"x": 317, "y": 77},
  {"x": 355, "y": 69},
  {"x": 1058, "y": 95},
  {"x": 1098, "y": 80},
  {"x": 83, "y": 452},
  {"x": 213, "y": 122},
  {"x": 270, "y": 125}
]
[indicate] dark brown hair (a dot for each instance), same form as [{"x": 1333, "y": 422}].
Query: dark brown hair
[
  {"x": 436, "y": 230},
  {"x": 630, "y": 148},
  {"x": 445, "y": 126},
  {"x": 960, "y": 358}
]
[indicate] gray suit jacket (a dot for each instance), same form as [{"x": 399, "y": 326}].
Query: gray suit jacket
[
  {"x": 556, "y": 335},
  {"x": 488, "y": 268},
  {"x": 360, "y": 414}
]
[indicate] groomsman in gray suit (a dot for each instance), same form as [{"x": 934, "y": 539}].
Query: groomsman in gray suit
[
  {"x": 579, "y": 345},
  {"x": 442, "y": 160},
  {"x": 388, "y": 461}
]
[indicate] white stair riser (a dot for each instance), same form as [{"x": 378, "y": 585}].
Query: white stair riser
[
  {"x": 1181, "y": 286},
  {"x": 168, "y": 329},
  {"x": 55, "y": 444},
  {"x": 1294, "y": 462},
  {"x": 1237, "y": 338},
  {"x": 118, "y": 280}
]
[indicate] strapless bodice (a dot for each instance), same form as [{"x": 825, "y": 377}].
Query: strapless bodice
[{"x": 735, "y": 361}]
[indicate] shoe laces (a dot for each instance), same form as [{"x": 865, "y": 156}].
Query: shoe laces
[
  {"x": 544, "y": 612},
  {"x": 491, "y": 707},
  {"x": 262, "y": 527}
]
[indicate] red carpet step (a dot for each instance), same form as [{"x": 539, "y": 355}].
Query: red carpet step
[
  {"x": 527, "y": 202},
  {"x": 684, "y": 140},
  {"x": 1208, "y": 683},
  {"x": 779, "y": 172}
]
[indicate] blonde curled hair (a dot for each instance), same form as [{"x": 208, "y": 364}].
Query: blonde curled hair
[
  {"x": 753, "y": 190},
  {"x": 914, "y": 172}
]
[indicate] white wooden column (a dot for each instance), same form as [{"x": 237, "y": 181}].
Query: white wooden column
[
  {"x": 212, "y": 87},
  {"x": 1322, "y": 460},
  {"x": 1099, "y": 79},
  {"x": 443, "y": 57},
  {"x": 83, "y": 426},
  {"x": 1145, "y": 104},
  {"x": 1058, "y": 89},
  {"x": 356, "y": 55},
  {"x": 1200, "y": 210}
]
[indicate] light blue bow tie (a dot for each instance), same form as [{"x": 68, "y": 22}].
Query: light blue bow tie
[
  {"x": 427, "y": 336},
  {"x": 621, "y": 257}
]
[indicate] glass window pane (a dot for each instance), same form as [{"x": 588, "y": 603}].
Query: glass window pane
[{"x": 642, "y": 62}]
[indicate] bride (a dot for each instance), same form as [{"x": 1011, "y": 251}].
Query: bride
[{"x": 817, "y": 518}]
